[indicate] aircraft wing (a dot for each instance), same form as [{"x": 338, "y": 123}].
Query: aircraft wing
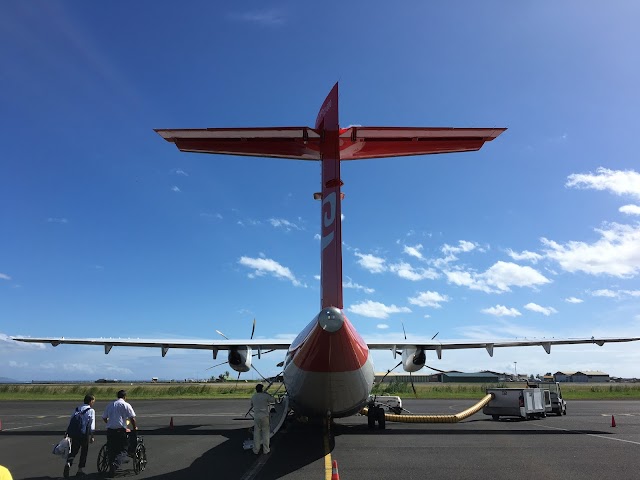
[
  {"x": 355, "y": 143},
  {"x": 358, "y": 143},
  {"x": 163, "y": 344},
  {"x": 489, "y": 345}
]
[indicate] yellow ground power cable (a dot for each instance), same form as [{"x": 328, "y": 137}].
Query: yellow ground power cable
[{"x": 416, "y": 418}]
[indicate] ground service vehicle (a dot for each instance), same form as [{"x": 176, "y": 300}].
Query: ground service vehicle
[
  {"x": 525, "y": 403},
  {"x": 558, "y": 404}
]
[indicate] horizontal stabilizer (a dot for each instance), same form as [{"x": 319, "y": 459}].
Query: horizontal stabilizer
[{"x": 355, "y": 143}]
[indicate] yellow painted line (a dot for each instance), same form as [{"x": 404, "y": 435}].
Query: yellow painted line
[{"x": 327, "y": 457}]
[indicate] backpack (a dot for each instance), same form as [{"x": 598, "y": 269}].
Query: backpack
[{"x": 76, "y": 424}]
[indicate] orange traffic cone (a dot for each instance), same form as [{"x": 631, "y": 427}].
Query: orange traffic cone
[
  {"x": 171, "y": 424},
  {"x": 613, "y": 421},
  {"x": 334, "y": 471}
]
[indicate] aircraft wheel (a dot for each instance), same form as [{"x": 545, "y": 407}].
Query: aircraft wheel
[
  {"x": 371, "y": 417},
  {"x": 382, "y": 421}
]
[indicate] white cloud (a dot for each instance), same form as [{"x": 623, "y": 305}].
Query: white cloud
[
  {"x": 546, "y": 311},
  {"x": 630, "y": 209},
  {"x": 317, "y": 237},
  {"x": 264, "y": 266},
  {"x": 268, "y": 18},
  {"x": 503, "y": 275},
  {"x": 371, "y": 262},
  {"x": 376, "y": 309},
  {"x": 350, "y": 284},
  {"x": 4, "y": 276},
  {"x": 282, "y": 223},
  {"x": 179, "y": 171},
  {"x": 525, "y": 255},
  {"x": 57, "y": 220},
  {"x": 14, "y": 364},
  {"x": 605, "y": 293},
  {"x": 619, "y": 182},
  {"x": 382, "y": 326},
  {"x": 175, "y": 189},
  {"x": 616, "y": 253},
  {"x": 615, "y": 293},
  {"x": 413, "y": 251},
  {"x": 498, "y": 278},
  {"x": 463, "y": 246},
  {"x": 406, "y": 271},
  {"x": 501, "y": 311},
  {"x": 429, "y": 299},
  {"x": 451, "y": 251},
  {"x": 573, "y": 300},
  {"x": 211, "y": 215}
]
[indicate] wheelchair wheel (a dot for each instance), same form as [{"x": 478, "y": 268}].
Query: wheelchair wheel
[
  {"x": 140, "y": 458},
  {"x": 103, "y": 459}
]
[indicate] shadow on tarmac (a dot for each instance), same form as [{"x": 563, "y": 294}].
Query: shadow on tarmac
[{"x": 297, "y": 446}]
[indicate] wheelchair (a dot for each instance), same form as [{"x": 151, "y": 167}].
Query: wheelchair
[{"x": 136, "y": 451}]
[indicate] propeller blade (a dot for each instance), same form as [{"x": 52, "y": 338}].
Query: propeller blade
[
  {"x": 220, "y": 333},
  {"x": 263, "y": 353},
  {"x": 435, "y": 336},
  {"x": 388, "y": 372},
  {"x": 436, "y": 369},
  {"x": 253, "y": 329},
  {"x": 263, "y": 377},
  {"x": 403, "y": 331},
  {"x": 216, "y": 365},
  {"x": 415, "y": 394},
  {"x": 237, "y": 380},
  {"x": 280, "y": 364}
]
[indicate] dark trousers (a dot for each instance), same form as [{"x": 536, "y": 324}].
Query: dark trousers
[
  {"x": 116, "y": 443},
  {"x": 82, "y": 444}
]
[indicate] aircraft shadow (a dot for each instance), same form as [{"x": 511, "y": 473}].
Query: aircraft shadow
[{"x": 292, "y": 449}]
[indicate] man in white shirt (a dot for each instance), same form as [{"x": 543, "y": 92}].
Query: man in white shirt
[
  {"x": 81, "y": 438},
  {"x": 115, "y": 416},
  {"x": 261, "y": 402}
]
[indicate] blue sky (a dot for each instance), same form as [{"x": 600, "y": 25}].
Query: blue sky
[{"x": 108, "y": 230}]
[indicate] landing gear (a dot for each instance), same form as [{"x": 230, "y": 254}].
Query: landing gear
[{"x": 376, "y": 414}]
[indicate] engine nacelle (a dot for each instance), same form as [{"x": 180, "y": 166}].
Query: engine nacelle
[
  {"x": 240, "y": 358},
  {"x": 413, "y": 358}
]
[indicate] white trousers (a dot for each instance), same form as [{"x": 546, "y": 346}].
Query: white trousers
[{"x": 261, "y": 435}]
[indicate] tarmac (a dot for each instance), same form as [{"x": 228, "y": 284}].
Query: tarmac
[{"x": 206, "y": 442}]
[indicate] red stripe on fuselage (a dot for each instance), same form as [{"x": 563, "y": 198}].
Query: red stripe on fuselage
[{"x": 341, "y": 351}]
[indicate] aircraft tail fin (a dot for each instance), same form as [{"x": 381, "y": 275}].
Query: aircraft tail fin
[{"x": 327, "y": 118}]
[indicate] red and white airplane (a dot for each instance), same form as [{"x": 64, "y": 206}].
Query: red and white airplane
[{"x": 328, "y": 369}]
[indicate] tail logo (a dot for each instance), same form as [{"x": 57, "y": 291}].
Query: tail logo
[{"x": 329, "y": 217}]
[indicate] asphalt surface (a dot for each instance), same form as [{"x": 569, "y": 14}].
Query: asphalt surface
[{"x": 206, "y": 442}]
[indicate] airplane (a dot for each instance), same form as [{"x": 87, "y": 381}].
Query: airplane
[{"x": 327, "y": 371}]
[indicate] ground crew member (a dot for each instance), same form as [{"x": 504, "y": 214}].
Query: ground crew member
[
  {"x": 261, "y": 434},
  {"x": 80, "y": 439},
  {"x": 115, "y": 416}
]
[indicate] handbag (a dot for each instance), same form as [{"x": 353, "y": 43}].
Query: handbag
[{"x": 62, "y": 448}]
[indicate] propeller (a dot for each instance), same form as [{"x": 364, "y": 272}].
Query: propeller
[
  {"x": 413, "y": 387},
  {"x": 421, "y": 360}
]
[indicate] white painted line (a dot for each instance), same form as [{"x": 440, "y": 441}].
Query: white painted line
[
  {"x": 156, "y": 415},
  {"x": 591, "y": 434},
  {"x": 27, "y": 426}
]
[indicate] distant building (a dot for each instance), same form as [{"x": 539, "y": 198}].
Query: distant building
[
  {"x": 448, "y": 377},
  {"x": 587, "y": 376}
]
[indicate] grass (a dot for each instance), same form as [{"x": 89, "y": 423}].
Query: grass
[{"x": 142, "y": 391}]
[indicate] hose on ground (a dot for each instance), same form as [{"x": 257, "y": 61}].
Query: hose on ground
[{"x": 416, "y": 418}]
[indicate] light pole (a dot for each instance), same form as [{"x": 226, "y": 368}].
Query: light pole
[{"x": 515, "y": 368}]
